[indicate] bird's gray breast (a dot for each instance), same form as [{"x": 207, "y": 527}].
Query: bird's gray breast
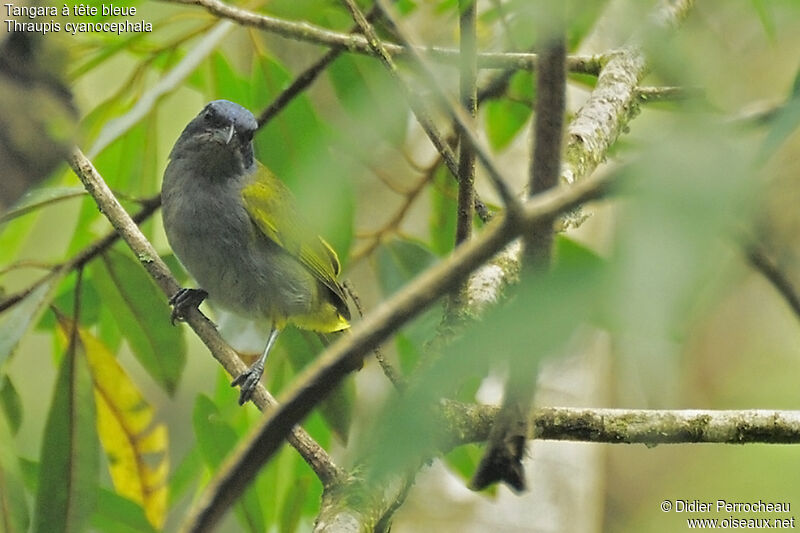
[{"x": 214, "y": 237}]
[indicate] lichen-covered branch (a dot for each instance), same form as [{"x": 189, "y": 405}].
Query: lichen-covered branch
[
  {"x": 645, "y": 426},
  {"x": 353, "y": 508},
  {"x": 614, "y": 100},
  {"x": 595, "y": 128}
]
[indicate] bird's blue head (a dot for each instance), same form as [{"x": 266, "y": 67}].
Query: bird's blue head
[{"x": 223, "y": 132}]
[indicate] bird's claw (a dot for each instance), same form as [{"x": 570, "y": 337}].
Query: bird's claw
[
  {"x": 248, "y": 380},
  {"x": 183, "y": 300}
]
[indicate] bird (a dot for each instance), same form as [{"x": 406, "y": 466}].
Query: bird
[{"x": 236, "y": 229}]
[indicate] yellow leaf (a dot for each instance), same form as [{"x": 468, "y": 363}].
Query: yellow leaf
[{"x": 136, "y": 447}]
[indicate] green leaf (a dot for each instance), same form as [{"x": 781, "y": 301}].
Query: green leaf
[
  {"x": 399, "y": 261},
  {"x": 16, "y": 322},
  {"x": 444, "y": 211},
  {"x": 10, "y": 405},
  {"x": 227, "y": 83},
  {"x": 405, "y": 7},
  {"x": 90, "y": 304},
  {"x": 301, "y": 348},
  {"x": 538, "y": 322},
  {"x": 464, "y": 460},
  {"x": 785, "y": 123},
  {"x": 504, "y": 119},
  {"x": 38, "y": 198},
  {"x": 117, "y": 514},
  {"x": 14, "y": 517},
  {"x": 142, "y": 314},
  {"x": 292, "y": 509},
  {"x": 522, "y": 87},
  {"x": 215, "y": 439},
  {"x": 371, "y": 99},
  {"x": 185, "y": 475},
  {"x": 30, "y": 473},
  {"x": 303, "y": 160},
  {"x": 581, "y": 18},
  {"x": 68, "y": 472},
  {"x": 121, "y": 163},
  {"x": 767, "y": 21}
]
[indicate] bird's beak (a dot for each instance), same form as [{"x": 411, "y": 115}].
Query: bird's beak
[{"x": 230, "y": 134}]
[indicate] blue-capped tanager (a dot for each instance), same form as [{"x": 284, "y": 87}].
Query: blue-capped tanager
[{"x": 235, "y": 228}]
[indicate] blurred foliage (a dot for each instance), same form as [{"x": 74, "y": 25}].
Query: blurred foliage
[{"x": 91, "y": 362}]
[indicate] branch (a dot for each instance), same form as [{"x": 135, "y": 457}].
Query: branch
[
  {"x": 327, "y": 371},
  {"x": 502, "y": 460},
  {"x": 312, "y": 453},
  {"x": 613, "y": 102},
  {"x": 645, "y": 426},
  {"x": 466, "y": 424},
  {"x": 303, "y": 31},
  {"x": 468, "y": 94},
  {"x": 651, "y": 95},
  {"x": 596, "y": 127},
  {"x": 467, "y": 84}
]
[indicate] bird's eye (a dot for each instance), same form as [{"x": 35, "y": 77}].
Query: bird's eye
[{"x": 210, "y": 115}]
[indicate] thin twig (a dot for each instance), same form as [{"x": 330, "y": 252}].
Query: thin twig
[
  {"x": 462, "y": 121},
  {"x": 769, "y": 269},
  {"x": 651, "y": 95},
  {"x": 391, "y": 373},
  {"x": 394, "y": 221},
  {"x": 303, "y": 31}
]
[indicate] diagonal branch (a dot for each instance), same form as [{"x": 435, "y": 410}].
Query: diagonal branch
[
  {"x": 327, "y": 371},
  {"x": 316, "y": 457}
]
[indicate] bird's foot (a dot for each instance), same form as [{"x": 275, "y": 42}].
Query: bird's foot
[
  {"x": 183, "y": 300},
  {"x": 248, "y": 380}
]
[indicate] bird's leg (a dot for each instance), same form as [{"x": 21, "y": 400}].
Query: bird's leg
[
  {"x": 183, "y": 300},
  {"x": 250, "y": 377}
]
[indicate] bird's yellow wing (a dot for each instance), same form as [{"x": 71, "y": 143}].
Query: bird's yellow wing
[{"x": 271, "y": 207}]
